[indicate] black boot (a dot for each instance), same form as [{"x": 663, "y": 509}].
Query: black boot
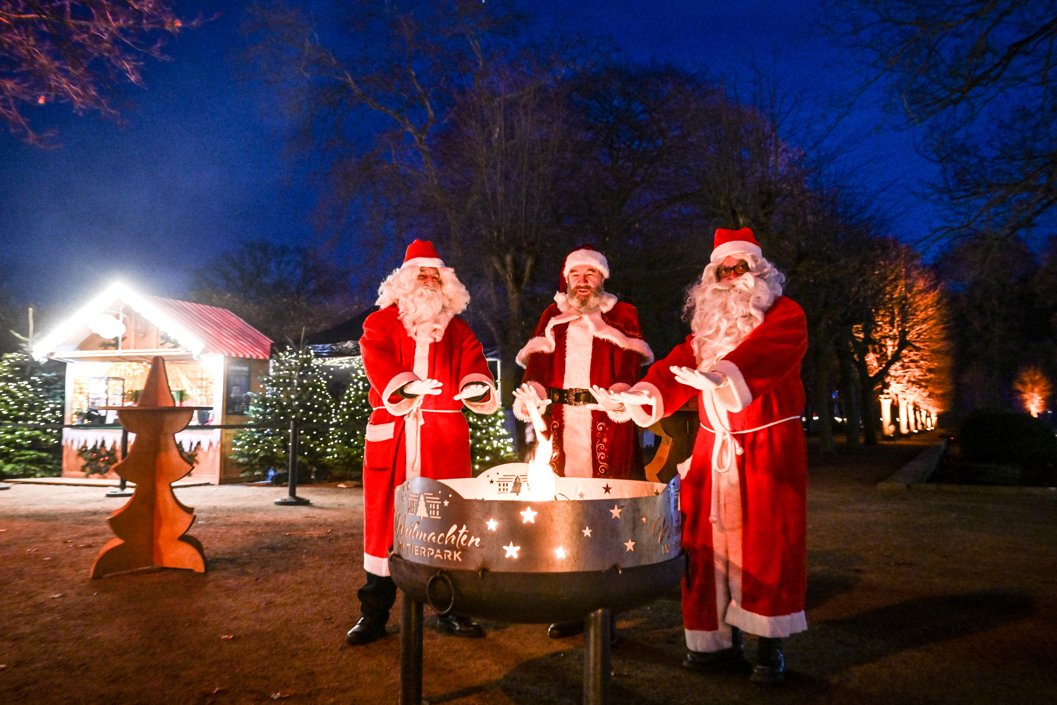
[
  {"x": 377, "y": 597},
  {"x": 457, "y": 625},
  {"x": 727, "y": 660},
  {"x": 370, "y": 627},
  {"x": 770, "y": 664},
  {"x": 561, "y": 630}
]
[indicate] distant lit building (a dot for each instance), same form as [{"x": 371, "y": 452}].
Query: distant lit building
[{"x": 213, "y": 358}]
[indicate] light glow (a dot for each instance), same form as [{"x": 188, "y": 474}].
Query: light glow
[{"x": 511, "y": 550}]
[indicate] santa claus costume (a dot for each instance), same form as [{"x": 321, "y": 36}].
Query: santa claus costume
[
  {"x": 570, "y": 351},
  {"x": 744, "y": 489},
  {"x": 410, "y": 436}
]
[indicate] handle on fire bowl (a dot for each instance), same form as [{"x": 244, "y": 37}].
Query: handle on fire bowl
[{"x": 431, "y": 587}]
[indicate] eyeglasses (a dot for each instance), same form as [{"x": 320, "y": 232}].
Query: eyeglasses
[{"x": 739, "y": 268}]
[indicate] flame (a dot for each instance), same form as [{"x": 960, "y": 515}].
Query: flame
[{"x": 542, "y": 482}]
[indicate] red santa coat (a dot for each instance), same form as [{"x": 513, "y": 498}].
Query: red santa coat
[
  {"x": 571, "y": 350},
  {"x": 745, "y": 493},
  {"x": 424, "y": 436}
]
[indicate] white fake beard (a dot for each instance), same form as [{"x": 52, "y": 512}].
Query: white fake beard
[
  {"x": 425, "y": 314},
  {"x": 725, "y": 314}
]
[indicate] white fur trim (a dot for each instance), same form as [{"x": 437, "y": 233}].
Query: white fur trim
[
  {"x": 735, "y": 247},
  {"x": 421, "y": 364},
  {"x": 592, "y": 258},
  {"x": 576, "y": 441},
  {"x": 376, "y": 565},
  {"x": 709, "y": 642},
  {"x": 599, "y": 329},
  {"x": 424, "y": 262},
  {"x": 735, "y": 396},
  {"x": 520, "y": 412},
  {"x": 770, "y": 627},
  {"x": 639, "y": 414},
  {"x": 491, "y": 403},
  {"x": 404, "y": 405}
]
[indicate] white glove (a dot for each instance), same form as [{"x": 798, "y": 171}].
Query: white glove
[
  {"x": 526, "y": 394},
  {"x": 704, "y": 381},
  {"x": 472, "y": 391},
  {"x": 605, "y": 399},
  {"x": 638, "y": 397},
  {"x": 422, "y": 386}
]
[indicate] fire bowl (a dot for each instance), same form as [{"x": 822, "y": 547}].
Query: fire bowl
[{"x": 491, "y": 547}]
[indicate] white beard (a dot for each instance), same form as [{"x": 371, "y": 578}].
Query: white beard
[
  {"x": 724, "y": 314},
  {"x": 425, "y": 314},
  {"x": 589, "y": 304}
]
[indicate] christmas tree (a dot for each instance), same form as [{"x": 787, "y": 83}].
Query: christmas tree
[
  {"x": 295, "y": 387},
  {"x": 490, "y": 444},
  {"x": 27, "y": 402},
  {"x": 349, "y": 421}
]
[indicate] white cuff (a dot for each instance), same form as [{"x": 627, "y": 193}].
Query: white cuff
[
  {"x": 490, "y": 403},
  {"x": 520, "y": 412},
  {"x": 404, "y": 405},
  {"x": 638, "y": 412},
  {"x": 734, "y": 395}
]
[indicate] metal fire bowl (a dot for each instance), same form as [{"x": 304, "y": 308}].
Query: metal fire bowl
[{"x": 481, "y": 547}]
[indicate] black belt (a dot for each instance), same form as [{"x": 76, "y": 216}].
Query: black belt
[{"x": 572, "y": 397}]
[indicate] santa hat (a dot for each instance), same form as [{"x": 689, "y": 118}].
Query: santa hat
[
  {"x": 585, "y": 255},
  {"x": 730, "y": 242},
  {"x": 420, "y": 253}
]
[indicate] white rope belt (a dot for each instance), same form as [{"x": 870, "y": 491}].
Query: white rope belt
[
  {"x": 724, "y": 450},
  {"x": 412, "y": 420}
]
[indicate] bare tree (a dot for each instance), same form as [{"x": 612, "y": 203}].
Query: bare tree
[
  {"x": 977, "y": 76},
  {"x": 280, "y": 290},
  {"x": 74, "y": 51}
]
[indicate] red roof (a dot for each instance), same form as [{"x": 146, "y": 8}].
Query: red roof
[{"x": 220, "y": 330}]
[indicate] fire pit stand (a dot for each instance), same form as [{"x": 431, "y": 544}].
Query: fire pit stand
[{"x": 485, "y": 548}]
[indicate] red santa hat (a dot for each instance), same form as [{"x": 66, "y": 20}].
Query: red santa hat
[
  {"x": 420, "y": 253},
  {"x": 585, "y": 255},
  {"x": 731, "y": 242}
]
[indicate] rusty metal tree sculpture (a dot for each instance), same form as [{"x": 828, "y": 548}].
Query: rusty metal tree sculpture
[{"x": 152, "y": 526}]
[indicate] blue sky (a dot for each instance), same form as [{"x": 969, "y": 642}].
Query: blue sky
[{"x": 194, "y": 167}]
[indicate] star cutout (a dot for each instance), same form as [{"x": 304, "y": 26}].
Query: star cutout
[
  {"x": 581, "y": 495},
  {"x": 491, "y": 481},
  {"x": 511, "y": 550},
  {"x": 643, "y": 520},
  {"x": 615, "y": 511},
  {"x": 629, "y": 545},
  {"x": 528, "y": 516},
  {"x": 587, "y": 532},
  {"x": 559, "y": 552},
  {"x": 606, "y": 488},
  {"x": 492, "y": 523},
  {"x": 445, "y": 503}
]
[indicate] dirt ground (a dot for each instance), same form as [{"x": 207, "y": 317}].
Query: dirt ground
[{"x": 914, "y": 597}]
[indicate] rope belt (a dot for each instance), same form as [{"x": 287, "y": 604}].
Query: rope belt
[
  {"x": 412, "y": 436},
  {"x": 724, "y": 450},
  {"x": 571, "y": 397}
]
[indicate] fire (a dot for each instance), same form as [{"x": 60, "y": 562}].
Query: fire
[{"x": 542, "y": 482}]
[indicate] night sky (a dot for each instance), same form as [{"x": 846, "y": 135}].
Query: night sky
[{"x": 195, "y": 167}]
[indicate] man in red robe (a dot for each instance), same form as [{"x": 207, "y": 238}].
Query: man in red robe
[
  {"x": 586, "y": 338},
  {"x": 424, "y": 365},
  {"x": 744, "y": 490},
  {"x": 586, "y": 341}
]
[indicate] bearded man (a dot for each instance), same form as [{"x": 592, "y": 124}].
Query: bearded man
[
  {"x": 744, "y": 490},
  {"x": 424, "y": 365},
  {"x": 586, "y": 338},
  {"x": 587, "y": 343}
]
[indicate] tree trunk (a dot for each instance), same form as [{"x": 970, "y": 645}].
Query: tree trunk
[
  {"x": 849, "y": 396},
  {"x": 822, "y": 400}
]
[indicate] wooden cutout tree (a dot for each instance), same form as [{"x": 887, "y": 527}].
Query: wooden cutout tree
[{"x": 151, "y": 527}]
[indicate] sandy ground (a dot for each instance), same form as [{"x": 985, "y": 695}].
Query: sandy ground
[{"x": 914, "y": 597}]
